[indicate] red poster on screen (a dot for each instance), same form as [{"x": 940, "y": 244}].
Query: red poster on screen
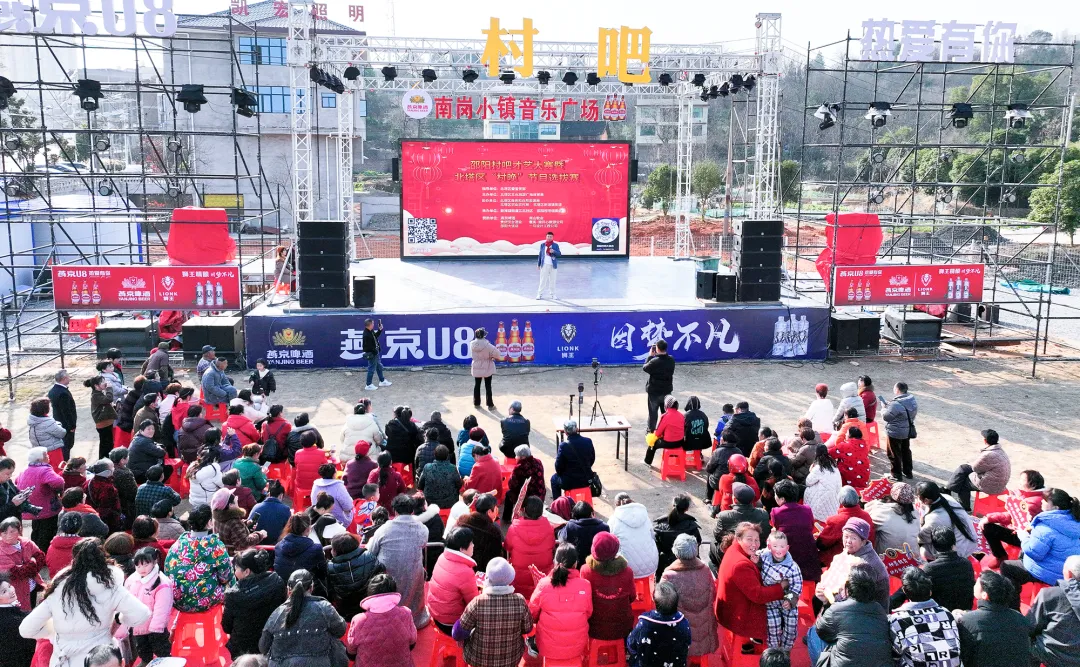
[
  {"x": 131, "y": 287},
  {"x": 884, "y": 284},
  {"x": 500, "y": 198}
]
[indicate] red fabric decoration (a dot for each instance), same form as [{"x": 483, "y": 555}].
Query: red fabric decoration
[
  {"x": 854, "y": 239},
  {"x": 200, "y": 242}
]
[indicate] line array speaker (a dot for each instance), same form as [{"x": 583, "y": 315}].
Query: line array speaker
[
  {"x": 323, "y": 266},
  {"x": 757, "y": 258}
]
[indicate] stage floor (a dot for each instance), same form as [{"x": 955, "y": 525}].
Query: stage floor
[{"x": 481, "y": 286}]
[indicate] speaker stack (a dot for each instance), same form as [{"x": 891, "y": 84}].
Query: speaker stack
[
  {"x": 323, "y": 267},
  {"x": 757, "y": 258}
]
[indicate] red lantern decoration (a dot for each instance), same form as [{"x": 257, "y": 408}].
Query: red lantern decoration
[
  {"x": 608, "y": 176},
  {"x": 545, "y": 150},
  {"x": 591, "y": 152},
  {"x": 445, "y": 149},
  {"x": 427, "y": 175},
  {"x": 615, "y": 154},
  {"x": 426, "y": 157}
]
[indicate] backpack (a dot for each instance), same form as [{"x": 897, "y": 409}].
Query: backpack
[{"x": 271, "y": 445}]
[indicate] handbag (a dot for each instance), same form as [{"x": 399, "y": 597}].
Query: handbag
[
  {"x": 912, "y": 433},
  {"x": 650, "y": 440},
  {"x": 595, "y": 487}
]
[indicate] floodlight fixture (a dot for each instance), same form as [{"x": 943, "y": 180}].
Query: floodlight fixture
[
  {"x": 946, "y": 157},
  {"x": 714, "y": 92},
  {"x": 174, "y": 145},
  {"x": 961, "y": 113},
  {"x": 1010, "y": 196},
  {"x": 724, "y": 89},
  {"x": 698, "y": 80},
  {"x": 749, "y": 83},
  {"x": 389, "y": 73},
  {"x": 879, "y": 197},
  {"x": 89, "y": 92},
  {"x": 543, "y": 77},
  {"x": 428, "y": 75},
  {"x": 246, "y": 103},
  {"x": 592, "y": 79},
  {"x": 507, "y": 77},
  {"x": 104, "y": 189},
  {"x": 826, "y": 113},
  {"x": 704, "y": 94},
  {"x": 569, "y": 78},
  {"x": 945, "y": 197},
  {"x": 12, "y": 143},
  {"x": 736, "y": 82},
  {"x": 1017, "y": 115},
  {"x": 469, "y": 75},
  {"x": 191, "y": 94},
  {"x": 7, "y": 90},
  {"x": 878, "y": 113},
  {"x": 102, "y": 144},
  {"x": 1018, "y": 157},
  {"x": 877, "y": 157},
  {"x": 665, "y": 79},
  {"x": 352, "y": 73}
]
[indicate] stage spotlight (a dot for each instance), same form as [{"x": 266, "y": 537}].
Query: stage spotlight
[
  {"x": 704, "y": 94},
  {"x": 724, "y": 89},
  {"x": 714, "y": 92},
  {"x": 1017, "y": 115},
  {"x": 569, "y": 78},
  {"x": 878, "y": 113},
  {"x": 877, "y": 157},
  {"x": 102, "y": 144},
  {"x": 665, "y": 79},
  {"x": 174, "y": 145},
  {"x": 12, "y": 143},
  {"x": 7, "y": 90},
  {"x": 946, "y": 157},
  {"x": 507, "y": 77},
  {"x": 736, "y": 82},
  {"x": 543, "y": 76},
  {"x": 879, "y": 197},
  {"x": 592, "y": 79},
  {"x": 316, "y": 75},
  {"x": 352, "y": 73},
  {"x": 12, "y": 190},
  {"x": 191, "y": 94},
  {"x": 750, "y": 82},
  {"x": 469, "y": 75},
  {"x": 89, "y": 92},
  {"x": 1010, "y": 196},
  {"x": 173, "y": 191},
  {"x": 827, "y": 114},
  {"x": 334, "y": 83},
  {"x": 698, "y": 80},
  {"x": 1018, "y": 157},
  {"x": 429, "y": 75},
  {"x": 945, "y": 197},
  {"x": 246, "y": 102},
  {"x": 960, "y": 114},
  {"x": 389, "y": 73},
  {"x": 104, "y": 190}
]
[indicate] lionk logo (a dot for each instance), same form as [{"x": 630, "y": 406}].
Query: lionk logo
[
  {"x": 568, "y": 331},
  {"x": 289, "y": 338}
]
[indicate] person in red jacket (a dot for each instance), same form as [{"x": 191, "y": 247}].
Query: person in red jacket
[
  {"x": 670, "y": 430},
  {"x": 997, "y": 526},
  {"x": 737, "y": 472},
  {"x": 453, "y": 581},
  {"x": 613, "y": 592},
  {"x": 561, "y": 606},
  {"x": 59, "y": 554},
  {"x": 277, "y": 427},
  {"x": 530, "y": 541},
  {"x": 389, "y": 480},
  {"x": 308, "y": 460},
  {"x": 243, "y": 426},
  {"x": 486, "y": 474},
  {"x": 830, "y": 540},
  {"x": 740, "y": 595},
  {"x": 852, "y": 457}
]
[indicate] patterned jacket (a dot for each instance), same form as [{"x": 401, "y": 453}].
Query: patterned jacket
[
  {"x": 497, "y": 620},
  {"x": 150, "y": 493},
  {"x": 101, "y": 494},
  {"x": 924, "y": 634},
  {"x": 772, "y": 572},
  {"x": 230, "y": 527},
  {"x": 200, "y": 569}
]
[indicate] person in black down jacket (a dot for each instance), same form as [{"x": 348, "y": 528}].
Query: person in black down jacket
[
  {"x": 515, "y": 430},
  {"x": 953, "y": 576},
  {"x": 667, "y": 528},
  {"x": 248, "y": 604},
  {"x": 661, "y": 369},
  {"x": 857, "y": 629},
  {"x": 696, "y": 435},
  {"x": 581, "y": 529},
  {"x": 294, "y": 441},
  {"x": 297, "y": 551},
  {"x": 125, "y": 414},
  {"x": 745, "y": 425},
  {"x": 306, "y": 630},
  {"x": 64, "y": 410},
  {"x": 402, "y": 437},
  {"x": 348, "y": 574},
  {"x": 436, "y": 422},
  {"x": 993, "y": 635},
  {"x": 717, "y": 466}
]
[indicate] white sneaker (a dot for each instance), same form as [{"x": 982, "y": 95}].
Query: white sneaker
[
  {"x": 539, "y": 297},
  {"x": 371, "y": 387},
  {"x": 385, "y": 383}
]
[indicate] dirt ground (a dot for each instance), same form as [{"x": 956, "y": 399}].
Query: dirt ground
[{"x": 1037, "y": 418}]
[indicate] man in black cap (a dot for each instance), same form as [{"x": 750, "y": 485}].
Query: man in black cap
[{"x": 207, "y": 360}]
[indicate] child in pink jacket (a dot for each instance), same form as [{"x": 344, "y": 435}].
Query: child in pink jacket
[{"x": 154, "y": 590}]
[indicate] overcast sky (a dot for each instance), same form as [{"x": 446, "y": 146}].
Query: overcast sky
[{"x": 681, "y": 21}]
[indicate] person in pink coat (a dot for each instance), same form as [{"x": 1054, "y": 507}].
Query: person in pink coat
[
  {"x": 21, "y": 559},
  {"x": 530, "y": 540},
  {"x": 453, "y": 580},
  {"x": 47, "y": 487},
  {"x": 383, "y": 635},
  {"x": 155, "y": 590},
  {"x": 561, "y": 606}
]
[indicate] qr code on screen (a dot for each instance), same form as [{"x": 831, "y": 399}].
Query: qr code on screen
[{"x": 423, "y": 230}]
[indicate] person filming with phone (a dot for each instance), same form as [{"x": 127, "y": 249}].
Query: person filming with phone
[
  {"x": 661, "y": 369},
  {"x": 12, "y": 500},
  {"x": 373, "y": 354}
]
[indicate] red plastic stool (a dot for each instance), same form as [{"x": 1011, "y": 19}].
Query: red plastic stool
[
  {"x": 612, "y": 652},
  {"x": 643, "y": 590},
  {"x": 1029, "y": 590},
  {"x": 198, "y": 637},
  {"x": 282, "y": 472},
  {"x": 510, "y": 462},
  {"x": 872, "y": 437},
  {"x": 406, "y": 472},
  {"x": 580, "y": 494},
  {"x": 985, "y": 504},
  {"x": 693, "y": 459},
  {"x": 674, "y": 464},
  {"x": 507, "y": 472},
  {"x": 178, "y": 481},
  {"x": 446, "y": 652}
]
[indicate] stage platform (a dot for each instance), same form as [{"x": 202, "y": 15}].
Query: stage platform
[{"x": 611, "y": 309}]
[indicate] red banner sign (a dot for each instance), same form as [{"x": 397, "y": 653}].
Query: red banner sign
[
  {"x": 884, "y": 284},
  {"x": 879, "y": 488},
  {"x": 1017, "y": 508},
  {"x": 132, "y": 287},
  {"x": 898, "y": 560}
]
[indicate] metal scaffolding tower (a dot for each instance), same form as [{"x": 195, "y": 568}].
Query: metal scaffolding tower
[
  {"x": 299, "y": 58},
  {"x": 684, "y": 199},
  {"x": 766, "y": 166}
]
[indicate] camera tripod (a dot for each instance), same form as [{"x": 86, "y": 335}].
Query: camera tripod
[{"x": 596, "y": 398}]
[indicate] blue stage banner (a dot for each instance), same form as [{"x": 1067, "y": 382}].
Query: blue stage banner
[{"x": 328, "y": 340}]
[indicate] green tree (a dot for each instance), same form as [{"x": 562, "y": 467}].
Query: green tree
[
  {"x": 1044, "y": 200},
  {"x": 705, "y": 183},
  {"x": 789, "y": 181},
  {"x": 660, "y": 186}
]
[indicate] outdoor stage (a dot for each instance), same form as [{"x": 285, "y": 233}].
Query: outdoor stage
[{"x": 610, "y": 309}]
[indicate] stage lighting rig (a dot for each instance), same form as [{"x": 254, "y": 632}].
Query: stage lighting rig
[
  {"x": 749, "y": 83},
  {"x": 960, "y": 114},
  {"x": 191, "y": 94},
  {"x": 246, "y": 102},
  {"x": 569, "y": 78},
  {"x": 507, "y": 77},
  {"x": 429, "y": 75},
  {"x": 12, "y": 143},
  {"x": 704, "y": 94},
  {"x": 7, "y": 90},
  {"x": 724, "y": 89},
  {"x": 714, "y": 92},
  {"x": 1017, "y": 115},
  {"x": 104, "y": 190},
  {"x": 665, "y": 79},
  {"x": 878, "y": 113},
  {"x": 827, "y": 113},
  {"x": 389, "y": 73},
  {"x": 698, "y": 80},
  {"x": 469, "y": 75},
  {"x": 352, "y": 73},
  {"x": 592, "y": 79},
  {"x": 89, "y": 92},
  {"x": 102, "y": 144},
  {"x": 736, "y": 82},
  {"x": 543, "y": 77}
]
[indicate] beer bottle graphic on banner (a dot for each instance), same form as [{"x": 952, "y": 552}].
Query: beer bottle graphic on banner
[
  {"x": 780, "y": 337},
  {"x": 74, "y": 293},
  {"x": 621, "y": 112},
  {"x": 95, "y": 295},
  {"x": 513, "y": 350},
  {"x": 500, "y": 341},
  {"x": 967, "y": 289},
  {"x": 949, "y": 293},
  {"x": 84, "y": 296},
  {"x": 219, "y": 299},
  {"x": 209, "y": 289},
  {"x": 198, "y": 294},
  {"x": 607, "y": 108},
  {"x": 850, "y": 292},
  {"x": 858, "y": 291},
  {"x": 866, "y": 291},
  {"x": 528, "y": 345}
]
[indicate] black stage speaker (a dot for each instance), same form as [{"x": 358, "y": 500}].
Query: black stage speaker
[
  {"x": 363, "y": 292},
  {"x": 135, "y": 338},
  {"x": 324, "y": 297},
  {"x": 322, "y": 229},
  {"x": 913, "y": 328},
  {"x": 869, "y": 330},
  {"x": 226, "y": 333},
  {"x": 989, "y": 312},
  {"x": 843, "y": 332},
  {"x": 395, "y": 164},
  {"x": 706, "y": 284},
  {"x": 760, "y": 260},
  {"x": 332, "y": 247},
  {"x": 323, "y": 266},
  {"x": 758, "y": 291},
  {"x": 746, "y": 228},
  {"x": 749, "y": 275},
  {"x": 747, "y": 244},
  {"x": 726, "y": 288}
]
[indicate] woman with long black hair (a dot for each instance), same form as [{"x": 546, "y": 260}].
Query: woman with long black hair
[
  {"x": 250, "y": 603},
  {"x": 402, "y": 436},
  {"x": 306, "y": 631},
  {"x": 667, "y": 528},
  {"x": 80, "y": 604},
  {"x": 389, "y": 480},
  {"x": 941, "y": 510}
]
